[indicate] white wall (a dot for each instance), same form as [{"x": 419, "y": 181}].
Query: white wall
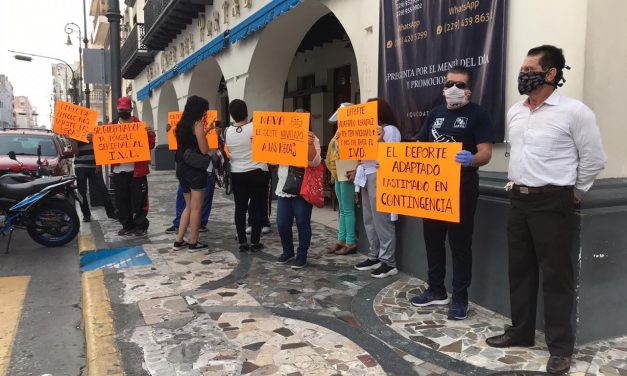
[{"x": 605, "y": 79}]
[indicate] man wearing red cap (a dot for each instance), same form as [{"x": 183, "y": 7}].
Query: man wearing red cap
[{"x": 131, "y": 184}]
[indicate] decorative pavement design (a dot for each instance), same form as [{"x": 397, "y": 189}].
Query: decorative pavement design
[{"x": 232, "y": 313}]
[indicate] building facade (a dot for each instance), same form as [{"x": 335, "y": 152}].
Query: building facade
[
  {"x": 7, "y": 116},
  {"x": 25, "y": 113},
  {"x": 314, "y": 54}
]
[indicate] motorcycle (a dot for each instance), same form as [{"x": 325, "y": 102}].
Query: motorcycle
[{"x": 41, "y": 205}]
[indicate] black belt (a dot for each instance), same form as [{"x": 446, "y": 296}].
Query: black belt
[{"x": 534, "y": 190}]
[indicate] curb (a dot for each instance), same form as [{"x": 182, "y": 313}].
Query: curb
[{"x": 102, "y": 354}]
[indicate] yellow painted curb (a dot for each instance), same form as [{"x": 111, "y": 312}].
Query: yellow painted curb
[
  {"x": 12, "y": 293},
  {"x": 86, "y": 243},
  {"x": 103, "y": 357}
]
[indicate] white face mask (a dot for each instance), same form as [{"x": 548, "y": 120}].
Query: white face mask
[{"x": 455, "y": 97}]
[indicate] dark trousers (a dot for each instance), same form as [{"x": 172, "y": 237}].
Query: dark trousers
[
  {"x": 459, "y": 239},
  {"x": 539, "y": 232},
  {"x": 250, "y": 190},
  {"x": 206, "y": 205},
  {"x": 89, "y": 173},
  {"x": 131, "y": 198},
  {"x": 267, "y": 209},
  {"x": 288, "y": 209}
]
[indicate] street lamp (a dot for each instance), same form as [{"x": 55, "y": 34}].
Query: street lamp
[
  {"x": 25, "y": 56},
  {"x": 71, "y": 28}
]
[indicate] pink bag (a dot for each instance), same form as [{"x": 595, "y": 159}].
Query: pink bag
[{"x": 312, "y": 189}]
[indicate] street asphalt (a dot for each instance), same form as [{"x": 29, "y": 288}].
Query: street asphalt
[{"x": 49, "y": 338}]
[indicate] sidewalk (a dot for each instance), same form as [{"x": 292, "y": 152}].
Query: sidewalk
[{"x": 232, "y": 313}]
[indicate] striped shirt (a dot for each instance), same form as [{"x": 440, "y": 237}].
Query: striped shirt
[{"x": 85, "y": 158}]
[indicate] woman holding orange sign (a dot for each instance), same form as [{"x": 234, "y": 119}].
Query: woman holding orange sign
[{"x": 191, "y": 138}]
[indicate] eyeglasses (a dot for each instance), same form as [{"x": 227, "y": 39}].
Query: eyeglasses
[{"x": 458, "y": 84}]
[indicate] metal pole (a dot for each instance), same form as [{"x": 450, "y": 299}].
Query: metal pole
[
  {"x": 114, "y": 16},
  {"x": 104, "y": 87},
  {"x": 85, "y": 41}
]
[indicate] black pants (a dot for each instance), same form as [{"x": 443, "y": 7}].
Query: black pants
[
  {"x": 82, "y": 175},
  {"x": 131, "y": 197},
  {"x": 267, "y": 208},
  {"x": 459, "y": 239},
  {"x": 250, "y": 190},
  {"x": 539, "y": 232}
]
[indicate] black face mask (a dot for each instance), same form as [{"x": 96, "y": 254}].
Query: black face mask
[
  {"x": 529, "y": 81},
  {"x": 124, "y": 115}
]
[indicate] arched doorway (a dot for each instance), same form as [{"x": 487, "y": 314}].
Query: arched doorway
[
  {"x": 146, "y": 115},
  {"x": 207, "y": 81},
  {"x": 167, "y": 103}
]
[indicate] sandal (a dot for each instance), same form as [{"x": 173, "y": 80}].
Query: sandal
[{"x": 336, "y": 247}]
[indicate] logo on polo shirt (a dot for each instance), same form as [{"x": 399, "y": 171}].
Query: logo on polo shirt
[
  {"x": 438, "y": 123},
  {"x": 460, "y": 122}
]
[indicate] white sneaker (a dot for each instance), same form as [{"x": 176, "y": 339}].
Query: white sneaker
[
  {"x": 249, "y": 229},
  {"x": 266, "y": 230}
]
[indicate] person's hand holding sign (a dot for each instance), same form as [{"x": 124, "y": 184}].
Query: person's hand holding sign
[{"x": 464, "y": 157}]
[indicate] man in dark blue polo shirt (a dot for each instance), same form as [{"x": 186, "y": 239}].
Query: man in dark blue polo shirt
[{"x": 459, "y": 120}]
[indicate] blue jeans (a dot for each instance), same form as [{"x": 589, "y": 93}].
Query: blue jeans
[
  {"x": 289, "y": 208},
  {"x": 206, "y": 206}
]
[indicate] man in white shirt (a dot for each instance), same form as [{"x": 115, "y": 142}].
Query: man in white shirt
[{"x": 556, "y": 155}]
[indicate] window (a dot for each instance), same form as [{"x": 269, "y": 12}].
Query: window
[{"x": 27, "y": 145}]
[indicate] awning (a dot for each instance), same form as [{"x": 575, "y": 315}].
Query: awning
[{"x": 261, "y": 18}]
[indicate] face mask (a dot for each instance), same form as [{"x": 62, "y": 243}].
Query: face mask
[
  {"x": 455, "y": 97},
  {"x": 124, "y": 115},
  {"x": 529, "y": 81}
]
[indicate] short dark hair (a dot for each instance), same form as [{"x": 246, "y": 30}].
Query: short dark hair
[
  {"x": 384, "y": 112},
  {"x": 238, "y": 110},
  {"x": 460, "y": 69},
  {"x": 551, "y": 57}
]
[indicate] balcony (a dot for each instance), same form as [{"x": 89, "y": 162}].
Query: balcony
[
  {"x": 134, "y": 55},
  {"x": 165, "y": 19}
]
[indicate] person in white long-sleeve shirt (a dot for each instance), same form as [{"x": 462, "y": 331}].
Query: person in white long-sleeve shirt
[{"x": 556, "y": 155}]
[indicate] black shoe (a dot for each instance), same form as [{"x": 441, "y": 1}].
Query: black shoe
[
  {"x": 368, "y": 265},
  {"x": 140, "y": 232},
  {"x": 283, "y": 259},
  {"x": 180, "y": 245},
  {"x": 256, "y": 247},
  {"x": 87, "y": 218},
  {"x": 504, "y": 340},
  {"x": 202, "y": 228},
  {"x": 126, "y": 232},
  {"x": 244, "y": 247},
  {"x": 172, "y": 230},
  {"x": 299, "y": 264},
  {"x": 429, "y": 298},
  {"x": 384, "y": 271},
  {"x": 197, "y": 247},
  {"x": 558, "y": 365},
  {"x": 112, "y": 215}
]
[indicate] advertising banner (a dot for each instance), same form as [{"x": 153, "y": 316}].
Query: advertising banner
[{"x": 421, "y": 40}]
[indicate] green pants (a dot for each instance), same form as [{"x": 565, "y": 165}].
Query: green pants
[{"x": 345, "y": 192}]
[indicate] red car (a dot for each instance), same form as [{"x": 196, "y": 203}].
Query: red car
[{"x": 55, "y": 150}]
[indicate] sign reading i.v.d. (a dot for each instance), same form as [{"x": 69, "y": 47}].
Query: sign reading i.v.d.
[
  {"x": 281, "y": 138},
  {"x": 357, "y": 131},
  {"x": 419, "y": 179}
]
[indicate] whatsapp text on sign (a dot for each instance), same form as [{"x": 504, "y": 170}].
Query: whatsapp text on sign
[
  {"x": 281, "y": 138},
  {"x": 419, "y": 179}
]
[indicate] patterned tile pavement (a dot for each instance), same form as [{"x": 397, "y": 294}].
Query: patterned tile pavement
[{"x": 226, "y": 313}]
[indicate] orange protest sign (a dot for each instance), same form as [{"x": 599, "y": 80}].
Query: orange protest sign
[
  {"x": 281, "y": 138},
  {"x": 210, "y": 117},
  {"x": 173, "y": 119},
  {"x": 419, "y": 179},
  {"x": 73, "y": 121},
  {"x": 212, "y": 137},
  {"x": 357, "y": 131},
  {"x": 121, "y": 143}
]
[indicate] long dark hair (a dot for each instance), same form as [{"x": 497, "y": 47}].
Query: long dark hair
[
  {"x": 195, "y": 109},
  {"x": 385, "y": 112}
]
